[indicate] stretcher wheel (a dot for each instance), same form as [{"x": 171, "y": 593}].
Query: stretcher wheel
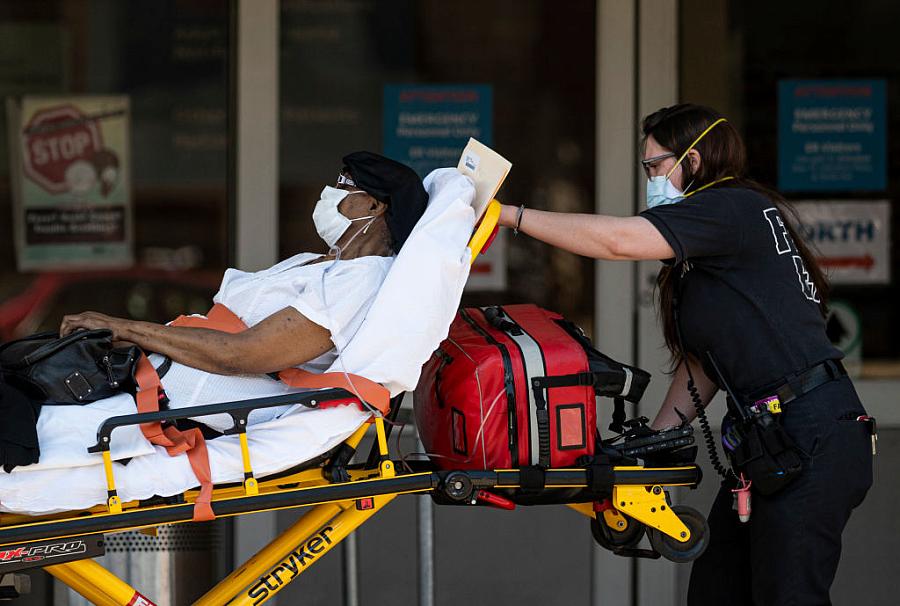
[
  {"x": 458, "y": 486},
  {"x": 612, "y": 539},
  {"x": 689, "y": 551}
]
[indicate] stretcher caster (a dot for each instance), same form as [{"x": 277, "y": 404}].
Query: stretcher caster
[
  {"x": 612, "y": 538},
  {"x": 690, "y": 550},
  {"x": 458, "y": 486}
]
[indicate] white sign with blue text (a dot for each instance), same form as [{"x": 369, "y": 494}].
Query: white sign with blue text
[{"x": 853, "y": 238}]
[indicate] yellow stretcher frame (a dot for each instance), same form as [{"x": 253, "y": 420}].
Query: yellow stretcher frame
[
  {"x": 331, "y": 520},
  {"x": 337, "y": 507}
]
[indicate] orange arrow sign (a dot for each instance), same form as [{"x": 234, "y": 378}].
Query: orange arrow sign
[{"x": 865, "y": 262}]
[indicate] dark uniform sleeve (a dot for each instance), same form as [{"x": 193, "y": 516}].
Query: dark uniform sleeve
[{"x": 705, "y": 225}]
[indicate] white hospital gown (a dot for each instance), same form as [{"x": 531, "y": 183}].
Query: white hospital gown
[{"x": 350, "y": 287}]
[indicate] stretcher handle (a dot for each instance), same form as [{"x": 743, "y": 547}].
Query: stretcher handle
[
  {"x": 686, "y": 475},
  {"x": 485, "y": 229},
  {"x": 239, "y": 410}
]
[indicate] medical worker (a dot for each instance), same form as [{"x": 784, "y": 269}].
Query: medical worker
[{"x": 739, "y": 284}]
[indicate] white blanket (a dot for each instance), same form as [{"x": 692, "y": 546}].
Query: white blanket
[
  {"x": 409, "y": 318},
  {"x": 420, "y": 295},
  {"x": 274, "y": 446},
  {"x": 65, "y": 432}
]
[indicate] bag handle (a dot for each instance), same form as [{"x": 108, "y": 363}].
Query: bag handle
[
  {"x": 495, "y": 318},
  {"x": 54, "y": 346},
  {"x": 39, "y": 336}
]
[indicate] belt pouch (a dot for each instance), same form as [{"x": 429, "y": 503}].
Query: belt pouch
[{"x": 767, "y": 455}]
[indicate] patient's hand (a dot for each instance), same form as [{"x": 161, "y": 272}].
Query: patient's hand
[
  {"x": 285, "y": 339},
  {"x": 90, "y": 320}
]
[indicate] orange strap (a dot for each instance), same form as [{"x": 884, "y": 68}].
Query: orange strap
[
  {"x": 223, "y": 319},
  {"x": 172, "y": 439},
  {"x": 191, "y": 442}
]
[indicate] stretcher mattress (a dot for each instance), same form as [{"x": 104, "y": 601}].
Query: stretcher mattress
[{"x": 275, "y": 445}]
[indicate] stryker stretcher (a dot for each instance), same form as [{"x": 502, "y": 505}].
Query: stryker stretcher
[{"x": 621, "y": 501}]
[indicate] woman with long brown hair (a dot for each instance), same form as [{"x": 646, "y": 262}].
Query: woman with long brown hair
[{"x": 739, "y": 291}]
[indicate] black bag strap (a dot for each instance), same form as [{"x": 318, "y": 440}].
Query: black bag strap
[
  {"x": 164, "y": 368},
  {"x": 543, "y": 420},
  {"x": 601, "y": 476},
  {"x": 52, "y": 347},
  {"x": 611, "y": 378},
  {"x": 618, "y": 416},
  {"x": 38, "y": 336},
  {"x": 438, "y": 375},
  {"x": 573, "y": 380},
  {"x": 532, "y": 479}
]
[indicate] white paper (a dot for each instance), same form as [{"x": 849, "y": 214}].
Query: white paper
[{"x": 487, "y": 169}]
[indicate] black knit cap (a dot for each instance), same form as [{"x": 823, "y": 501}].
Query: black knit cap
[{"x": 393, "y": 183}]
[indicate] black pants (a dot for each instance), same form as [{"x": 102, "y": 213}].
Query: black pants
[{"x": 788, "y": 553}]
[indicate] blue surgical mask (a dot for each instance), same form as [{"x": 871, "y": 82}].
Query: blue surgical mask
[{"x": 660, "y": 191}]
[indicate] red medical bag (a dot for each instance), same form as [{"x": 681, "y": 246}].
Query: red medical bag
[{"x": 515, "y": 386}]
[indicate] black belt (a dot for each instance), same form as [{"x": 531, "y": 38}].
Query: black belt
[{"x": 804, "y": 382}]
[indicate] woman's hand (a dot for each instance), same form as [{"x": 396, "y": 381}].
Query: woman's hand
[{"x": 91, "y": 320}]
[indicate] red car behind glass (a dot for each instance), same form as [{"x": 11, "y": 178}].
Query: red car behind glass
[{"x": 140, "y": 294}]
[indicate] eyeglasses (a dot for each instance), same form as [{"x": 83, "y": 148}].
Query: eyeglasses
[
  {"x": 651, "y": 163},
  {"x": 344, "y": 180}
]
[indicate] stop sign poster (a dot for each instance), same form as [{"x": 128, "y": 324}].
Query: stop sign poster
[
  {"x": 852, "y": 237},
  {"x": 71, "y": 181}
]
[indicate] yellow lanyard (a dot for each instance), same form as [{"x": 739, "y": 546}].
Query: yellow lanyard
[
  {"x": 691, "y": 146},
  {"x": 707, "y": 185}
]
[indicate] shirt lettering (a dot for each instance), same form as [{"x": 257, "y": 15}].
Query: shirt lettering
[
  {"x": 779, "y": 231},
  {"x": 783, "y": 245}
]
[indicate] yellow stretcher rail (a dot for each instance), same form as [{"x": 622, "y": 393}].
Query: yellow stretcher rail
[{"x": 485, "y": 229}]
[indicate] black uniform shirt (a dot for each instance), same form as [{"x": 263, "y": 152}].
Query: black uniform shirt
[{"x": 745, "y": 293}]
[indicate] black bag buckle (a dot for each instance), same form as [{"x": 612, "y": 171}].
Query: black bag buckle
[{"x": 78, "y": 385}]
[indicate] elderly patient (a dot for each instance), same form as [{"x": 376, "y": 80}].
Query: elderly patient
[{"x": 300, "y": 311}]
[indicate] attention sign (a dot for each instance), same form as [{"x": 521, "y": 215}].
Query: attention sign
[
  {"x": 832, "y": 135},
  {"x": 70, "y": 164}
]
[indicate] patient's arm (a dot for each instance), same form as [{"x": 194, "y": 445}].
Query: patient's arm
[{"x": 284, "y": 339}]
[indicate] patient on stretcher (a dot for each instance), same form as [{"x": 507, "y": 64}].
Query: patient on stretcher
[
  {"x": 370, "y": 213},
  {"x": 297, "y": 311}
]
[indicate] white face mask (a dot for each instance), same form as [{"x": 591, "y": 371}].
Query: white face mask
[{"x": 330, "y": 223}]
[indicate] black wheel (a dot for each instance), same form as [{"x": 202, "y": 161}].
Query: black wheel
[
  {"x": 612, "y": 539},
  {"x": 458, "y": 486},
  {"x": 689, "y": 551}
]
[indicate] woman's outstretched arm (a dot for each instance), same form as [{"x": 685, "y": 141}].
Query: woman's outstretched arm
[
  {"x": 597, "y": 236},
  {"x": 284, "y": 339}
]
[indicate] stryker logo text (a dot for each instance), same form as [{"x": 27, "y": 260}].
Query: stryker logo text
[{"x": 284, "y": 572}]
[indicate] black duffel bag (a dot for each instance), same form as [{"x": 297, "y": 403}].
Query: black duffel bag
[{"x": 79, "y": 368}]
